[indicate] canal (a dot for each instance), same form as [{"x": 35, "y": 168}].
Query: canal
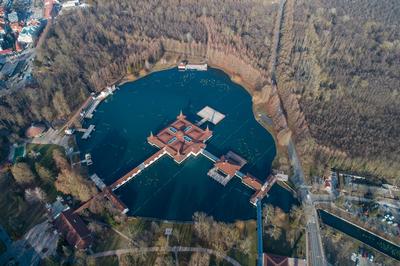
[
  {"x": 167, "y": 190},
  {"x": 370, "y": 239}
]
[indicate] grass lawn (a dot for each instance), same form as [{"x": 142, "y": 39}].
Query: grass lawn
[
  {"x": 109, "y": 261},
  {"x": 248, "y": 259},
  {"x": 17, "y": 216},
  {"x": 2, "y": 247},
  {"x": 46, "y": 154},
  {"x": 45, "y": 159},
  {"x": 109, "y": 240},
  {"x": 183, "y": 234}
]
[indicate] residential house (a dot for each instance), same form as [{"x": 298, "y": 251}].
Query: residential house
[
  {"x": 71, "y": 226},
  {"x": 274, "y": 260},
  {"x": 29, "y": 34},
  {"x": 13, "y": 17}
]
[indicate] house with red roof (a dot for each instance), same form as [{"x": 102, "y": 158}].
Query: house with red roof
[{"x": 75, "y": 231}]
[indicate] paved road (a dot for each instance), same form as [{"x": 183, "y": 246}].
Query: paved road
[
  {"x": 259, "y": 234},
  {"x": 175, "y": 249},
  {"x": 315, "y": 251}
]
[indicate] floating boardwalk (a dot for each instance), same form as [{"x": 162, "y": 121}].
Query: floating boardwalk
[
  {"x": 209, "y": 155},
  {"x": 135, "y": 171}
]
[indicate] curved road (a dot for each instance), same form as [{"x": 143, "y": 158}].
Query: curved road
[{"x": 119, "y": 252}]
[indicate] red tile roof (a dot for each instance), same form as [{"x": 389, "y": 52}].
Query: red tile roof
[
  {"x": 275, "y": 260},
  {"x": 227, "y": 167},
  {"x": 74, "y": 229},
  {"x": 252, "y": 182},
  {"x": 35, "y": 130},
  {"x": 48, "y": 7},
  {"x": 116, "y": 202},
  {"x": 181, "y": 138}
]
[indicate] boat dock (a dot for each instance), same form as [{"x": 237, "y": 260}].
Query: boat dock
[
  {"x": 99, "y": 183},
  {"x": 87, "y": 132},
  {"x": 187, "y": 66}
]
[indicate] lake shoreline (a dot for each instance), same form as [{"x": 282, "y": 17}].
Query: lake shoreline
[{"x": 189, "y": 91}]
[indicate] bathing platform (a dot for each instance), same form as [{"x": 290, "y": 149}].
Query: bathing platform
[
  {"x": 210, "y": 115},
  {"x": 221, "y": 178}
]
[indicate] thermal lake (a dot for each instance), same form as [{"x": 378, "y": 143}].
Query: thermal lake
[{"x": 171, "y": 191}]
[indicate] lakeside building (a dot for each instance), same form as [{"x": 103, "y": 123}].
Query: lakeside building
[
  {"x": 70, "y": 4},
  {"x": 115, "y": 201},
  {"x": 181, "y": 139},
  {"x": 71, "y": 226},
  {"x": 187, "y": 66},
  {"x": 275, "y": 260},
  {"x": 56, "y": 208}
]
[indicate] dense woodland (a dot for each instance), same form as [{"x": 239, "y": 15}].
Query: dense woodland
[
  {"x": 338, "y": 69},
  {"x": 88, "y": 49},
  {"x": 341, "y": 60}
]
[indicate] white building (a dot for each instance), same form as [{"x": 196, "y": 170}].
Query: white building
[
  {"x": 29, "y": 34},
  {"x": 13, "y": 17},
  {"x": 70, "y": 4}
]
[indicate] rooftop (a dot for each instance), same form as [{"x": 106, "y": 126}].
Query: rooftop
[
  {"x": 74, "y": 229},
  {"x": 211, "y": 115},
  {"x": 252, "y": 182},
  {"x": 274, "y": 260},
  {"x": 181, "y": 139},
  {"x": 230, "y": 163}
]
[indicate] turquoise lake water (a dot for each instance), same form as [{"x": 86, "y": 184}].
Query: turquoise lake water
[{"x": 167, "y": 190}]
